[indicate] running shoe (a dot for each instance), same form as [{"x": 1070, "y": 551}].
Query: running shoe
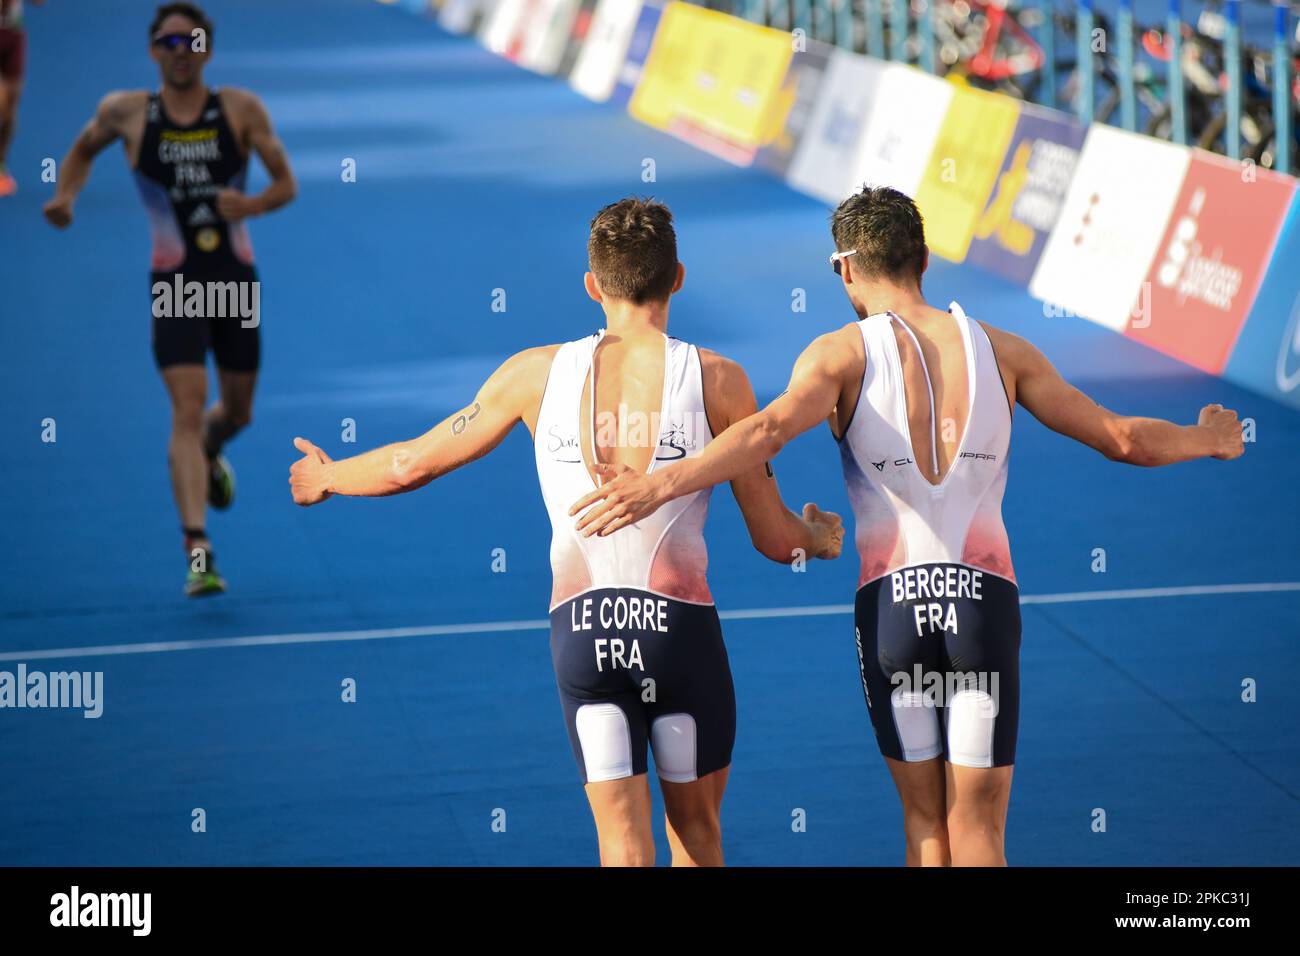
[
  {"x": 205, "y": 582},
  {"x": 221, "y": 483}
]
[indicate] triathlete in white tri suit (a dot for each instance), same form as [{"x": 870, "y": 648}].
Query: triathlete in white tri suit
[
  {"x": 638, "y": 652},
  {"x": 920, "y": 402}
]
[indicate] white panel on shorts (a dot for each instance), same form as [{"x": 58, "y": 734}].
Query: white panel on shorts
[
  {"x": 972, "y": 716},
  {"x": 917, "y": 723},
  {"x": 606, "y": 741},
  {"x": 672, "y": 738}
]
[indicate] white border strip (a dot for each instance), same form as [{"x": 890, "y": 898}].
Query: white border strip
[{"x": 500, "y": 627}]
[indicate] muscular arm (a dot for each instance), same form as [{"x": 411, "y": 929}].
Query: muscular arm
[
  {"x": 107, "y": 125},
  {"x": 511, "y": 394},
  {"x": 1060, "y": 406},
  {"x": 261, "y": 139},
  {"x": 815, "y": 387},
  {"x": 776, "y": 531}
]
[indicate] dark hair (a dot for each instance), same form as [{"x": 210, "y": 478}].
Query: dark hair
[
  {"x": 885, "y": 227},
  {"x": 633, "y": 250},
  {"x": 190, "y": 11}
]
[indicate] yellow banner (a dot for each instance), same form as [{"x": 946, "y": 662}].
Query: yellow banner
[
  {"x": 711, "y": 77},
  {"x": 963, "y": 167}
]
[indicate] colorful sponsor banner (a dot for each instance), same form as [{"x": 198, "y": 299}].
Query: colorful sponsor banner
[
  {"x": 547, "y": 37},
  {"x": 1267, "y": 355},
  {"x": 579, "y": 32},
  {"x": 1211, "y": 260},
  {"x": 900, "y": 134},
  {"x": 711, "y": 79},
  {"x": 968, "y": 152},
  {"x": 1115, "y": 212},
  {"x": 638, "y": 48},
  {"x": 792, "y": 108},
  {"x": 506, "y": 27},
  {"x": 596, "y": 71},
  {"x": 825, "y": 163},
  {"x": 1011, "y": 232}
]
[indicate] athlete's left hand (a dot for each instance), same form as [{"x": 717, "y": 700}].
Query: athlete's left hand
[
  {"x": 234, "y": 205},
  {"x": 628, "y": 496},
  {"x": 310, "y": 475}
]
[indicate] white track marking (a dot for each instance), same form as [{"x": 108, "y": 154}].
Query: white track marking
[{"x": 497, "y": 627}]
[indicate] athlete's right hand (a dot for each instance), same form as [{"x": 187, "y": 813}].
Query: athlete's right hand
[
  {"x": 1225, "y": 428},
  {"x": 827, "y": 529},
  {"x": 310, "y": 475},
  {"x": 58, "y": 212}
]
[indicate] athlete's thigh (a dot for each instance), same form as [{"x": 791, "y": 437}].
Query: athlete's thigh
[
  {"x": 237, "y": 347},
  {"x": 622, "y": 809},
  {"x": 981, "y": 793},
  {"x": 896, "y": 660},
  {"x": 187, "y": 386},
  {"x": 697, "y": 800},
  {"x": 982, "y": 678},
  {"x": 237, "y": 392},
  {"x": 10, "y": 92},
  {"x": 921, "y": 786},
  {"x": 691, "y": 700}
]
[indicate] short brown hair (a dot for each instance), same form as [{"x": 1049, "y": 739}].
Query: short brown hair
[
  {"x": 190, "y": 11},
  {"x": 886, "y": 229},
  {"x": 633, "y": 250}
]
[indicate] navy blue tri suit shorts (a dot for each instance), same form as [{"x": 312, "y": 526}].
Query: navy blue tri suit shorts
[
  {"x": 180, "y": 339},
  {"x": 638, "y": 671},
  {"x": 939, "y": 655}
]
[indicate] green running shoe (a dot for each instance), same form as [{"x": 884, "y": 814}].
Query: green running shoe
[
  {"x": 205, "y": 582},
  {"x": 221, "y": 483}
]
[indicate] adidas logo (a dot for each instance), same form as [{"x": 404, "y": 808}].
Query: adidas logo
[{"x": 202, "y": 215}]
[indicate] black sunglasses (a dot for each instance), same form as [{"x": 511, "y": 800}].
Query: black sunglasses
[{"x": 172, "y": 41}]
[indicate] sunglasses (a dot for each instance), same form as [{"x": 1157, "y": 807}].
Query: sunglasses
[
  {"x": 172, "y": 41},
  {"x": 839, "y": 257}
]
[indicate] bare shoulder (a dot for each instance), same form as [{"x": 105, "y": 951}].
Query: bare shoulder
[
  {"x": 118, "y": 107},
  {"x": 728, "y": 394},
  {"x": 531, "y": 367},
  {"x": 722, "y": 373},
  {"x": 239, "y": 101},
  {"x": 835, "y": 353},
  {"x": 1012, "y": 350}
]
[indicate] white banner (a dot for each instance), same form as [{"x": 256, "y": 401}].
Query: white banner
[
  {"x": 602, "y": 56},
  {"x": 1113, "y": 218},
  {"x": 824, "y": 164}
]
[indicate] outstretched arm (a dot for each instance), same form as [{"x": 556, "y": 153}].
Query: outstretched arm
[
  {"x": 815, "y": 388},
  {"x": 511, "y": 393},
  {"x": 1133, "y": 440}
]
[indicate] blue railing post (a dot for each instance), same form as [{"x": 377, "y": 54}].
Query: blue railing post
[
  {"x": 844, "y": 24},
  {"x": 875, "y": 29},
  {"x": 1282, "y": 85},
  {"x": 803, "y": 16},
  {"x": 1232, "y": 96},
  {"x": 1177, "y": 95},
  {"x": 898, "y": 30},
  {"x": 821, "y": 20},
  {"x": 752, "y": 10},
  {"x": 1127, "y": 94},
  {"x": 925, "y": 26},
  {"x": 1047, "y": 95},
  {"x": 1083, "y": 61}
]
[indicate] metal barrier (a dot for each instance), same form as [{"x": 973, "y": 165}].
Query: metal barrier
[{"x": 1204, "y": 84}]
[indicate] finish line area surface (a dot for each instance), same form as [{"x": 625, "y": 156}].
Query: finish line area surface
[{"x": 474, "y": 175}]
